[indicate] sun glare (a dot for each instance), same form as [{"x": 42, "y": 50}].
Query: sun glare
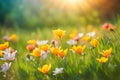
[{"x": 72, "y": 3}]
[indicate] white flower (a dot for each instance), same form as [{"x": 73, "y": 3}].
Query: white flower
[
  {"x": 8, "y": 55},
  {"x": 29, "y": 57},
  {"x": 55, "y": 43},
  {"x": 80, "y": 35},
  {"x": 44, "y": 54},
  {"x": 6, "y": 38},
  {"x": 91, "y": 34},
  {"x": 43, "y": 42},
  {"x": 58, "y": 71},
  {"x": 5, "y": 67},
  {"x": 71, "y": 42}
]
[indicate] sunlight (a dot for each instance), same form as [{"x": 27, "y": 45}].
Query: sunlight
[
  {"x": 70, "y": 4},
  {"x": 71, "y": 1}
]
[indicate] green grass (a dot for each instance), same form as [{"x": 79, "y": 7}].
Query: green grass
[{"x": 76, "y": 67}]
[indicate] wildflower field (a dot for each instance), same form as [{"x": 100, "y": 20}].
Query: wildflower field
[
  {"x": 60, "y": 54},
  {"x": 59, "y": 40}
]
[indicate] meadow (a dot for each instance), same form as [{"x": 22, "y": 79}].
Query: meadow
[{"x": 62, "y": 53}]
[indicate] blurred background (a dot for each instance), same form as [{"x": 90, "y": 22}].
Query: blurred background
[{"x": 54, "y": 13}]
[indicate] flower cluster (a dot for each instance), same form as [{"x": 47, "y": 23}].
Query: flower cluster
[
  {"x": 11, "y": 37},
  {"x": 38, "y": 48},
  {"x": 7, "y": 54},
  {"x": 106, "y": 54},
  {"x": 78, "y": 43}
]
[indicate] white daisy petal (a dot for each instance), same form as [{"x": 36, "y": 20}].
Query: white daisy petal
[
  {"x": 5, "y": 67},
  {"x": 91, "y": 34},
  {"x": 71, "y": 42},
  {"x": 58, "y": 71},
  {"x": 43, "y": 42}
]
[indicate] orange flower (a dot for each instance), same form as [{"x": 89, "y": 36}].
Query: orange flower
[
  {"x": 30, "y": 47},
  {"x": 36, "y": 53},
  {"x": 45, "y": 47},
  {"x": 34, "y": 42},
  {"x": 78, "y": 49},
  {"x": 94, "y": 42},
  {"x": 55, "y": 50},
  {"x": 102, "y": 59},
  {"x": 106, "y": 53},
  {"x": 60, "y": 33},
  {"x": 4, "y": 46},
  {"x": 62, "y": 53},
  {"x": 45, "y": 68},
  {"x": 13, "y": 37}
]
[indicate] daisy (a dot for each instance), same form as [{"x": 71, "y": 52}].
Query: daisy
[
  {"x": 8, "y": 55},
  {"x": 43, "y": 42},
  {"x": 58, "y": 71},
  {"x": 80, "y": 35},
  {"x": 91, "y": 34},
  {"x": 5, "y": 67},
  {"x": 72, "y": 42}
]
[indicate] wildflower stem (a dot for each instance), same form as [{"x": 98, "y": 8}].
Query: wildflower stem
[{"x": 61, "y": 41}]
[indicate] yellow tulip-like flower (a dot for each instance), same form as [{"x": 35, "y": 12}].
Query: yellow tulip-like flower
[
  {"x": 36, "y": 53},
  {"x": 45, "y": 68},
  {"x": 34, "y": 42},
  {"x": 94, "y": 42},
  {"x": 78, "y": 49},
  {"x": 72, "y": 35},
  {"x": 86, "y": 38},
  {"x": 13, "y": 37},
  {"x": 45, "y": 47},
  {"x": 62, "y": 53},
  {"x": 106, "y": 53},
  {"x": 102, "y": 59},
  {"x": 1, "y": 53},
  {"x": 60, "y": 33},
  {"x": 55, "y": 50},
  {"x": 4, "y": 46}
]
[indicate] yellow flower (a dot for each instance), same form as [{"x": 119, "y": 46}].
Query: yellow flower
[
  {"x": 102, "y": 59},
  {"x": 1, "y": 53},
  {"x": 4, "y": 46},
  {"x": 45, "y": 47},
  {"x": 62, "y": 53},
  {"x": 45, "y": 68},
  {"x": 78, "y": 49},
  {"x": 60, "y": 33},
  {"x": 36, "y": 53},
  {"x": 94, "y": 42},
  {"x": 86, "y": 38},
  {"x": 106, "y": 53},
  {"x": 34, "y": 42},
  {"x": 13, "y": 37},
  {"x": 55, "y": 50},
  {"x": 72, "y": 35}
]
